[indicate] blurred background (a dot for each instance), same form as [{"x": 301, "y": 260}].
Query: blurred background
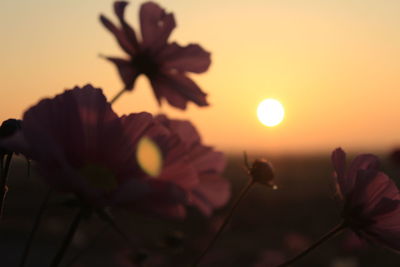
[{"x": 334, "y": 65}]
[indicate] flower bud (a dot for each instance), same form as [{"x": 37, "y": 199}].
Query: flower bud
[
  {"x": 262, "y": 172},
  {"x": 8, "y": 128}
]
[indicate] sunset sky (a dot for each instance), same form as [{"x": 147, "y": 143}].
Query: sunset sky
[{"x": 334, "y": 65}]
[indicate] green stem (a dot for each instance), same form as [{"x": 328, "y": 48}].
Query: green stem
[
  {"x": 36, "y": 224},
  {"x": 226, "y": 220},
  {"x": 337, "y": 229},
  {"x": 68, "y": 238},
  {"x": 118, "y": 95}
]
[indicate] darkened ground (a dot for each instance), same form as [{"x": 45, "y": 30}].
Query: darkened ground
[{"x": 267, "y": 226}]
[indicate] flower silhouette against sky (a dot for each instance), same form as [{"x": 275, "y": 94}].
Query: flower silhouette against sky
[
  {"x": 80, "y": 147},
  {"x": 165, "y": 64},
  {"x": 371, "y": 200}
]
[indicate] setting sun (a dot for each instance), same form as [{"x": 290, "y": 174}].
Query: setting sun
[{"x": 270, "y": 112}]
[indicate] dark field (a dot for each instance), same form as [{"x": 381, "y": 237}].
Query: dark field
[{"x": 267, "y": 226}]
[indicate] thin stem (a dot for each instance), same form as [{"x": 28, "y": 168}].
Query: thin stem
[
  {"x": 226, "y": 220},
  {"x": 68, "y": 238},
  {"x": 36, "y": 224},
  {"x": 337, "y": 229},
  {"x": 118, "y": 95},
  {"x": 3, "y": 186},
  {"x": 88, "y": 247},
  {"x": 105, "y": 216}
]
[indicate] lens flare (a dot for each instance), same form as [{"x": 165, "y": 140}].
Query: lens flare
[{"x": 149, "y": 156}]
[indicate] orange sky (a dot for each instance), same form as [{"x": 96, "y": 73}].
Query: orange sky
[{"x": 334, "y": 65}]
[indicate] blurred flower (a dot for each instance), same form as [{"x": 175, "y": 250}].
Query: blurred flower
[
  {"x": 165, "y": 64},
  {"x": 371, "y": 200},
  {"x": 80, "y": 147},
  {"x": 270, "y": 258},
  {"x": 8, "y": 128},
  {"x": 262, "y": 172},
  {"x": 187, "y": 165}
]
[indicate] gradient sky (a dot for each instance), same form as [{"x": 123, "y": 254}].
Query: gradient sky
[{"x": 335, "y": 66}]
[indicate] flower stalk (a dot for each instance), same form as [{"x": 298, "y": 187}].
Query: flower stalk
[
  {"x": 241, "y": 196},
  {"x": 36, "y": 224},
  {"x": 336, "y": 230},
  {"x": 4, "y": 168},
  {"x": 117, "y": 96},
  {"x": 68, "y": 238}
]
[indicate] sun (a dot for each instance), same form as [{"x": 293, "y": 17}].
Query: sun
[{"x": 270, "y": 112}]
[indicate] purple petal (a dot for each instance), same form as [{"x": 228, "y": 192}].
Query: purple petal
[
  {"x": 75, "y": 128},
  {"x": 185, "y": 129},
  {"x": 130, "y": 35},
  {"x": 191, "y": 58},
  {"x": 207, "y": 160},
  {"x": 136, "y": 125},
  {"x": 126, "y": 70},
  {"x": 370, "y": 188},
  {"x": 362, "y": 162},
  {"x": 178, "y": 90},
  {"x": 212, "y": 192},
  {"x": 119, "y": 35},
  {"x": 339, "y": 164},
  {"x": 156, "y": 26}
]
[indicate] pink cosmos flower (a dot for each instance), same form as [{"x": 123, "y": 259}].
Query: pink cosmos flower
[
  {"x": 371, "y": 200},
  {"x": 188, "y": 165},
  {"x": 80, "y": 147},
  {"x": 165, "y": 64}
]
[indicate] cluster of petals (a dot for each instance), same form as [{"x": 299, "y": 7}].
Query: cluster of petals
[
  {"x": 82, "y": 146},
  {"x": 371, "y": 199},
  {"x": 165, "y": 64}
]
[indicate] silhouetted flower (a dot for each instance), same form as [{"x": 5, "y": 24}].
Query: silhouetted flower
[
  {"x": 187, "y": 165},
  {"x": 165, "y": 64},
  {"x": 371, "y": 200},
  {"x": 80, "y": 146},
  {"x": 7, "y": 129}
]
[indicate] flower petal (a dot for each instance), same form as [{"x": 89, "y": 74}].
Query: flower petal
[
  {"x": 119, "y": 34},
  {"x": 178, "y": 90},
  {"x": 130, "y": 35},
  {"x": 212, "y": 192},
  {"x": 136, "y": 125},
  {"x": 339, "y": 164},
  {"x": 362, "y": 162},
  {"x": 185, "y": 129},
  {"x": 126, "y": 70},
  {"x": 156, "y": 26},
  {"x": 71, "y": 130},
  {"x": 370, "y": 188},
  {"x": 191, "y": 58}
]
